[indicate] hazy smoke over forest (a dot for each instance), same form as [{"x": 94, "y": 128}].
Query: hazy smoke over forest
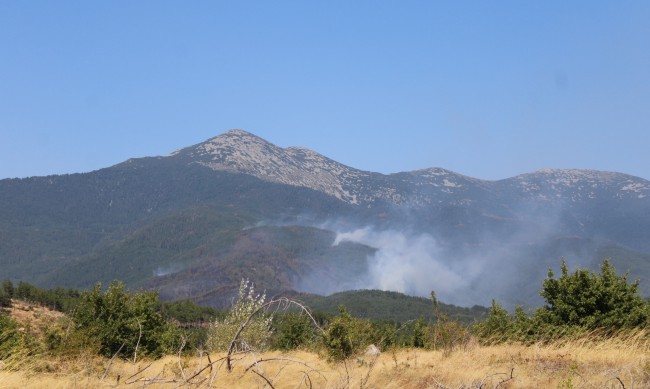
[
  {"x": 415, "y": 265},
  {"x": 507, "y": 267}
]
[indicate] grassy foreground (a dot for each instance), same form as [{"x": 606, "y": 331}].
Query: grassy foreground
[
  {"x": 586, "y": 362},
  {"x": 594, "y": 332}
]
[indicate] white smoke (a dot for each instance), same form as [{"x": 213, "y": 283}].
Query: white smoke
[
  {"x": 161, "y": 271},
  {"x": 507, "y": 267},
  {"x": 415, "y": 265}
]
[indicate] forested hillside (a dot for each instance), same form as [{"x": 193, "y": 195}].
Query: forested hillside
[{"x": 193, "y": 223}]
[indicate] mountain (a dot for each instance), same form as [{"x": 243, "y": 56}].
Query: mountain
[
  {"x": 240, "y": 152},
  {"x": 193, "y": 223}
]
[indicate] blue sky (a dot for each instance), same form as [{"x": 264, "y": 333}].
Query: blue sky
[{"x": 487, "y": 89}]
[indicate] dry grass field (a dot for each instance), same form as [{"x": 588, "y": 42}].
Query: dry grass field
[
  {"x": 621, "y": 362},
  {"x": 589, "y": 361}
]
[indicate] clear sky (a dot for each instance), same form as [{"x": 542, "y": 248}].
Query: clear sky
[{"x": 489, "y": 89}]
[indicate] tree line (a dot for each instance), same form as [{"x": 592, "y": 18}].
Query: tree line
[{"x": 114, "y": 321}]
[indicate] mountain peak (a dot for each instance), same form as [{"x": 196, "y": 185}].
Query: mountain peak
[
  {"x": 238, "y": 151},
  {"x": 579, "y": 184},
  {"x": 236, "y": 134},
  {"x": 237, "y": 131},
  {"x": 577, "y": 173}
]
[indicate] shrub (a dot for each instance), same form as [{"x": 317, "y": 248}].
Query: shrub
[
  {"x": 419, "y": 334},
  {"x": 16, "y": 341},
  {"x": 256, "y": 333},
  {"x": 498, "y": 323},
  {"x": 6, "y": 293},
  {"x": 448, "y": 335},
  {"x": 592, "y": 300},
  {"x": 5, "y": 300},
  {"x": 346, "y": 335},
  {"x": 10, "y": 339},
  {"x": 122, "y": 321},
  {"x": 386, "y": 334},
  {"x": 292, "y": 330},
  {"x": 575, "y": 303}
]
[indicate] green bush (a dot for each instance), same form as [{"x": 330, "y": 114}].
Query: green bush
[
  {"x": 590, "y": 300},
  {"x": 387, "y": 334},
  {"x": 123, "y": 321},
  {"x": 448, "y": 335},
  {"x": 419, "y": 334},
  {"x": 10, "y": 337},
  {"x": 575, "y": 303},
  {"x": 497, "y": 326},
  {"x": 5, "y": 300},
  {"x": 292, "y": 330},
  {"x": 16, "y": 341},
  {"x": 6, "y": 293},
  {"x": 347, "y": 335}
]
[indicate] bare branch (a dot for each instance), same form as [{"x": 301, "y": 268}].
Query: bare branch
[
  {"x": 210, "y": 365},
  {"x": 180, "y": 363},
  {"x": 265, "y": 379},
  {"x": 111, "y": 362},
  {"x": 135, "y": 352},
  {"x": 139, "y": 371},
  {"x": 279, "y": 359},
  {"x": 306, "y": 379},
  {"x": 507, "y": 379}
]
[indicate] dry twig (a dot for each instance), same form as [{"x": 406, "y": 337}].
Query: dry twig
[{"x": 110, "y": 362}]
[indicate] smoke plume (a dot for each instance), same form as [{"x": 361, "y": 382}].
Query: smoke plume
[{"x": 415, "y": 265}]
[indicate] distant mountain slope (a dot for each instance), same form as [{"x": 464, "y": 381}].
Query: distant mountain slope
[
  {"x": 81, "y": 221},
  {"x": 276, "y": 258},
  {"x": 192, "y": 222}
]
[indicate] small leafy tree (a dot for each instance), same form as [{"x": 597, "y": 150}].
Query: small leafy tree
[
  {"x": 256, "y": 333},
  {"x": 25, "y": 291},
  {"x": 7, "y": 288},
  {"x": 419, "y": 334},
  {"x": 592, "y": 300},
  {"x": 293, "y": 330},
  {"x": 5, "y": 299},
  {"x": 497, "y": 321},
  {"x": 122, "y": 321},
  {"x": 445, "y": 334},
  {"x": 346, "y": 335}
]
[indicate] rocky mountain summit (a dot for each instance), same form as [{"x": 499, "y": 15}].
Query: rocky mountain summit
[
  {"x": 238, "y": 151},
  {"x": 576, "y": 185}
]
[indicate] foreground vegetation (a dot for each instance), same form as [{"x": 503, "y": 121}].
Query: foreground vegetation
[
  {"x": 619, "y": 362},
  {"x": 592, "y": 332}
]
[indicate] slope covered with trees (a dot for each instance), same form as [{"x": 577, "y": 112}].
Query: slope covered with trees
[{"x": 168, "y": 221}]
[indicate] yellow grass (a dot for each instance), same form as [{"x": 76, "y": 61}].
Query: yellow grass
[{"x": 587, "y": 362}]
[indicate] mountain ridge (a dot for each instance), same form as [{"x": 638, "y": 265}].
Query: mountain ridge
[
  {"x": 239, "y": 151},
  {"x": 192, "y": 223}
]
